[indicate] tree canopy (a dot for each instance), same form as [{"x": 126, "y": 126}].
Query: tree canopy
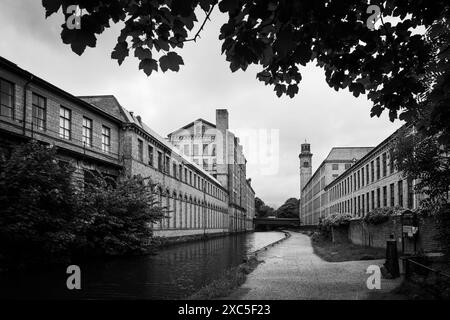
[
  {"x": 289, "y": 209},
  {"x": 390, "y": 64},
  {"x": 261, "y": 209}
]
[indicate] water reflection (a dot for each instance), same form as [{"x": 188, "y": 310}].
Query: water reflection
[{"x": 173, "y": 273}]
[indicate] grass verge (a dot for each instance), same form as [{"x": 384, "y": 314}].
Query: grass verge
[
  {"x": 338, "y": 252},
  {"x": 229, "y": 281}
]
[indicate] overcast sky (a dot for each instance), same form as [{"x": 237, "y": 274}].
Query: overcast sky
[{"x": 167, "y": 101}]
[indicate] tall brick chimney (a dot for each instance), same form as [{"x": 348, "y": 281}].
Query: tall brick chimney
[{"x": 222, "y": 119}]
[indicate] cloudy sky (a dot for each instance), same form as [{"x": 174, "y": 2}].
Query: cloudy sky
[{"x": 322, "y": 116}]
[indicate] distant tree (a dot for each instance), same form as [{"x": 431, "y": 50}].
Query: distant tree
[
  {"x": 289, "y": 209},
  {"x": 261, "y": 209},
  {"x": 389, "y": 63}
]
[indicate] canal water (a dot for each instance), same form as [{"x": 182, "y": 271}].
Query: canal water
[{"x": 174, "y": 273}]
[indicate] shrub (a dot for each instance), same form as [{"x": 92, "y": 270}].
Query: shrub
[
  {"x": 336, "y": 220},
  {"x": 381, "y": 215},
  {"x": 37, "y": 206},
  {"x": 115, "y": 219},
  {"x": 45, "y": 219}
]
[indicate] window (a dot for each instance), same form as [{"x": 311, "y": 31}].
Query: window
[
  {"x": 150, "y": 155},
  {"x": 392, "y": 195},
  {"x": 368, "y": 201},
  {"x": 167, "y": 165},
  {"x": 160, "y": 161},
  {"x": 384, "y": 164},
  {"x": 205, "y": 149},
  {"x": 186, "y": 149},
  {"x": 195, "y": 150},
  {"x": 205, "y": 164},
  {"x": 185, "y": 175},
  {"x": 400, "y": 193},
  {"x": 378, "y": 168},
  {"x": 367, "y": 174},
  {"x": 391, "y": 161},
  {"x": 335, "y": 166},
  {"x": 410, "y": 194},
  {"x": 39, "y": 105},
  {"x": 362, "y": 176},
  {"x": 385, "y": 196},
  {"x": 106, "y": 139},
  {"x": 372, "y": 172},
  {"x": 65, "y": 119},
  {"x": 6, "y": 98},
  {"x": 174, "y": 169},
  {"x": 213, "y": 151},
  {"x": 305, "y": 164},
  {"x": 190, "y": 177},
  {"x": 347, "y": 166},
  {"x": 378, "y": 198},
  {"x": 87, "y": 132},
  {"x": 180, "y": 168},
  {"x": 359, "y": 179},
  {"x": 362, "y": 204},
  {"x": 373, "y": 199},
  {"x": 140, "y": 150}
]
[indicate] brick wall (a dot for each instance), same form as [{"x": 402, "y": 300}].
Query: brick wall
[{"x": 376, "y": 235}]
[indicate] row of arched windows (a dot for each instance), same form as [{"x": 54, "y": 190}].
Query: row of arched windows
[{"x": 186, "y": 212}]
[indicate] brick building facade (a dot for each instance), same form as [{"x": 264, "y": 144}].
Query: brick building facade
[
  {"x": 372, "y": 182},
  {"x": 218, "y": 151},
  {"x": 314, "y": 198},
  {"x": 97, "y": 133},
  {"x": 356, "y": 181}
]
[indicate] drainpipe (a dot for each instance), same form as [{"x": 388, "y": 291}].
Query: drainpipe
[{"x": 25, "y": 104}]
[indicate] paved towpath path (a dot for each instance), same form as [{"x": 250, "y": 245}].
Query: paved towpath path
[{"x": 292, "y": 271}]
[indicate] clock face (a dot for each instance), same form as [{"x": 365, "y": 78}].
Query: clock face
[{"x": 306, "y": 164}]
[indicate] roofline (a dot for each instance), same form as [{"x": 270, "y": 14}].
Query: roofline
[
  {"x": 378, "y": 147},
  {"x": 191, "y": 124},
  {"x": 15, "y": 68},
  {"x": 328, "y": 161}
]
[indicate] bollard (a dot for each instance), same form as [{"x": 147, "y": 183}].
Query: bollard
[{"x": 391, "y": 263}]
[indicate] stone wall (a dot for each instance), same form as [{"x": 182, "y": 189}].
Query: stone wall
[
  {"x": 376, "y": 235},
  {"x": 340, "y": 234}
]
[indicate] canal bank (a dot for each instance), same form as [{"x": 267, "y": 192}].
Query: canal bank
[
  {"x": 234, "y": 277},
  {"x": 291, "y": 271},
  {"x": 175, "y": 272}
]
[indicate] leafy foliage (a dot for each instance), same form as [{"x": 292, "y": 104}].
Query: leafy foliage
[
  {"x": 115, "y": 219},
  {"x": 392, "y": 64},
  {"x": 45, "y": 219},
  {"x": 289, "y": 209},
  {"x": 424, "y": 159},
  {"x": 38, "y": 205},
  {"x": 336, "y": 220},
  {"x": 261, "y": 209}
]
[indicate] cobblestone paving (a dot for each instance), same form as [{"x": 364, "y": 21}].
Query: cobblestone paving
[{"x": 292, "y": 271}]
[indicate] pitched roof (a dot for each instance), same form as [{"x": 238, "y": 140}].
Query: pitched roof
[
  {"x": 107, "y": 103},
  {"x": 347, "y": 153},
  {"x": 341, "y": 154},
  {"x": 191, "y": 124}
]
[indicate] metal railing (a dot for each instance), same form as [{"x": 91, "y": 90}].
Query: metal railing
[{"x": 434, "y": 281}]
